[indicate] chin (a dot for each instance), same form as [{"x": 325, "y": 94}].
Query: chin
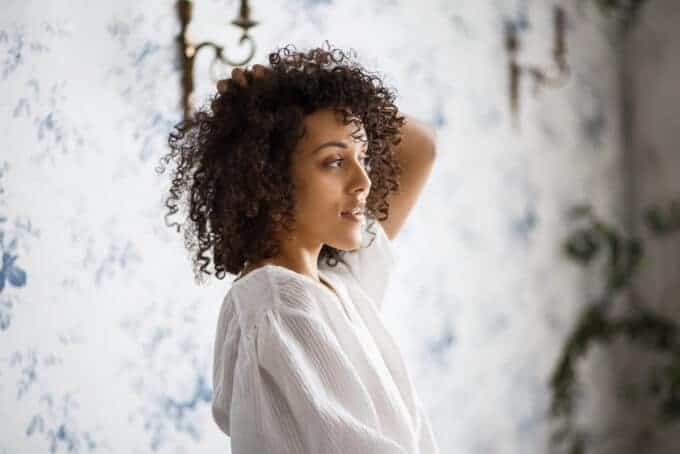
[
  {"x": 348, "y": 236},
  {"x": 346, "y": 243},
  {"x": 351, "y": 243}
]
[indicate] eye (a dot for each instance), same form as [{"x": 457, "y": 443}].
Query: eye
[{"x": 363, "y": 159}]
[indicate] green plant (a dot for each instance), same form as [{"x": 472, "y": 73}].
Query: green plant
[
  {"x": 628, "y": 10},
  {"x": 643, "y": 326}
]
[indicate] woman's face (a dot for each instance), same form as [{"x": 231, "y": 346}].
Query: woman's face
[{"x": 329, "y": 174}]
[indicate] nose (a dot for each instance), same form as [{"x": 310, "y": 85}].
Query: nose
[{"x": 361, "y": 182}]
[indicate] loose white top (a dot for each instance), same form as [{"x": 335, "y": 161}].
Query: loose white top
[{"x": 300, "y": 368}]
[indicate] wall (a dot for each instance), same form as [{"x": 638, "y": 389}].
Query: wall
[{"x": 107, "y": 343}]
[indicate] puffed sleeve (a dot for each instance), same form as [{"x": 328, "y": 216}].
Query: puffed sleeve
[
  {"x": 371, "y": 265},
  {"x": 225, "y": 351},
  {"x": 312, "y": 399}
]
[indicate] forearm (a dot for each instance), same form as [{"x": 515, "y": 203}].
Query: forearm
[
  {"x": 415, "y": 155},
  {"x": 417, "y": 148},
  {"x": 418, "y": 142}
]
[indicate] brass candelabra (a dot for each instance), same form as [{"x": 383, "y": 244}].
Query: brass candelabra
[{"x": 187, "y": 51}]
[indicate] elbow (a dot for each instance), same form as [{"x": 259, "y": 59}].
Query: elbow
[
  {"x": 432, "y": 144},
  {"x": 429, "y": 139},
  {"x": 421, "y": 137}
]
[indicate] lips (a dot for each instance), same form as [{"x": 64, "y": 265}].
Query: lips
[
  {"x": 359, "y": 217},
  {"x": 359, "y": 211},
  {"x": 356, "y": 210}
]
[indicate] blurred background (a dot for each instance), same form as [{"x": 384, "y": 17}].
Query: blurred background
[{"x": 536, "y": 295}]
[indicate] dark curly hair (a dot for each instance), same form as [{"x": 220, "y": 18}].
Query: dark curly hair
[{"x": 233, "y": 156}]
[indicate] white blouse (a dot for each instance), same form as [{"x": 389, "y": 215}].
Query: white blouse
[{"x": 300, "y": 368}]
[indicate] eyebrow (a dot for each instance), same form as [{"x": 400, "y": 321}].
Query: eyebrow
[{"x": 334, "y": 143}]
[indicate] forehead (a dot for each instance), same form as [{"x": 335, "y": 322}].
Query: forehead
[{"x": 327, "y": 124}]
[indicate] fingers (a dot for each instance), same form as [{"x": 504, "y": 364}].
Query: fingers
[
  {"x": 222, "y": 85},
  {"x": 259, "y": 70},
  {"x": 238, "y": 75}
]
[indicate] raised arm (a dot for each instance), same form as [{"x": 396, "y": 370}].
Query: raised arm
[{"x": 416, "y": 155}]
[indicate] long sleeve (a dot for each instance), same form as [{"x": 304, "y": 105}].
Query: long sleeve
[
  {"x": 311, "y": 398},
  {"x": 372, "y": 263},
  {"x": 225, "y": 351}
]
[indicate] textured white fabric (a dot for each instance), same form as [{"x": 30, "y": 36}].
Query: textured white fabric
[{"x": 303, "y": 369}]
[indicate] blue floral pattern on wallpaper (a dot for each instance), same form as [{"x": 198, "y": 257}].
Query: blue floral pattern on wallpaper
[{"x": 13, "y": 276}]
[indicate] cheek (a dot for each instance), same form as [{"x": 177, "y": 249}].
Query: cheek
[
  {"x": 317, "y": 199},
  {"x": 315, "y": 192}
]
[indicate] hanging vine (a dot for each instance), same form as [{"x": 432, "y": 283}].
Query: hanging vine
[
  {"x": 643, "y": 327},
  {"x": 628, "y": 10}
]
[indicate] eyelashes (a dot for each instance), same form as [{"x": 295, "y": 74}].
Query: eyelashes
[{"x": 364, "y": 162}]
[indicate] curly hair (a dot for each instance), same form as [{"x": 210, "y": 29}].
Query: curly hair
[{"x": 232, "y": 158}]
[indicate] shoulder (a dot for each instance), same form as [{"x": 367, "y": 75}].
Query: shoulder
[{"x": 269, "y": 289}]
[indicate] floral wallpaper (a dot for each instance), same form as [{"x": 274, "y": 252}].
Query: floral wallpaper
[{"x": 106, "y": 341}]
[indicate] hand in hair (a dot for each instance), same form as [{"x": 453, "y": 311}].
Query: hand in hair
[{"x": 238, "y": 76}]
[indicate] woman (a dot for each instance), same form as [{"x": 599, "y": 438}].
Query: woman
[{"x": 283, "y": 175}]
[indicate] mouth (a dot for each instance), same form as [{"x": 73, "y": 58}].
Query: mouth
[{"x": 356, "y": 215}]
